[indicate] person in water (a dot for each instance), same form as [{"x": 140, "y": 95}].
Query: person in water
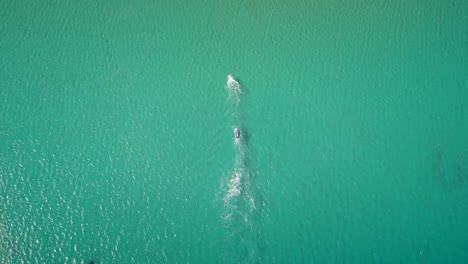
[{"x": 236, "y": 133}]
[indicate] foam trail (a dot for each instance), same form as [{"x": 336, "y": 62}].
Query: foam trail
[
  {"x": 234, "y": 89},
  {"x": 232, "y": 83},
  {"x": 238, "y": 200},
  {"x": 237, "y": 174}
]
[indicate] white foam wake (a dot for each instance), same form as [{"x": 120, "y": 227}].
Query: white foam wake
[
  {"x": 234, "y": 89},
  {"x": 233, "y": 84},
  {"x": 238, "y": 200},
  {"x": 234, "y": 187}
]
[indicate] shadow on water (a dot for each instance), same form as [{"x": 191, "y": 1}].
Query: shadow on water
[
  {"x": 438, "y": 166},
  {"x": 461, "y": 171},
  {"x": 451, "y": 174},
  {"x": 241, "y": 83}
]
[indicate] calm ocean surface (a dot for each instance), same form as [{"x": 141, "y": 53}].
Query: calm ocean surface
[{"x": 117, "y": 118}]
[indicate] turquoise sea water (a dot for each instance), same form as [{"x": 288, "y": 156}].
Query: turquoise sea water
[{"x": 117, "y": 145}]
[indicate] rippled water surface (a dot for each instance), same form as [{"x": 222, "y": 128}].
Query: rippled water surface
[{"x": 117, "y": 139}]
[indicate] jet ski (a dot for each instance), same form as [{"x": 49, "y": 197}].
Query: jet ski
[{"x": 236, "y": 133}]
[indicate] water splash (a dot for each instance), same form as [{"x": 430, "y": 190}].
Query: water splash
[{"x": 233, "y": 84}]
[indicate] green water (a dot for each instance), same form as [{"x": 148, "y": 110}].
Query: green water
[{"x": 116, "y": 132}]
